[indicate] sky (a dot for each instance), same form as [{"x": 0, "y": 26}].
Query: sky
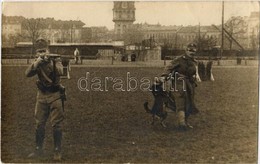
[{"x": 94, "y": 13}]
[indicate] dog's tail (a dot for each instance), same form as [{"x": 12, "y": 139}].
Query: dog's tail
[{"x": 146, "y": 107}]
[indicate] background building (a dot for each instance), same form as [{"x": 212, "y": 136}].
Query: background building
[
  {"x": 11, "y": 25},
  {"x": 62, "y": 31},
  {"x": 123, "y": 16},
  {"x": 162, "y": 35},
  {"x": 11, "y": 30},
  {"x": 253, "y": 30},
  {"x": 240, "y": 31}
]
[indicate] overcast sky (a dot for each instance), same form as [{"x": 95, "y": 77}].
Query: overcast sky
[{"x": 100, "y": 13}]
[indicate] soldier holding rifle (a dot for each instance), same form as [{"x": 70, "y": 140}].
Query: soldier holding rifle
[{"x": 50, "y": 97}]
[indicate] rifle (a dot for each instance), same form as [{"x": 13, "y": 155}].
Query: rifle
[
  {"x": 63, "y": 95},
  {"x": 53, "y": 56}
]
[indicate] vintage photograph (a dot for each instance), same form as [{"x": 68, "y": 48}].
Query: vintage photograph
[{"x": 129, "y": 81}]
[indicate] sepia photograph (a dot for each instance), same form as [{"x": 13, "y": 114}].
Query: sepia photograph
[{"x": 129, "y": 81}]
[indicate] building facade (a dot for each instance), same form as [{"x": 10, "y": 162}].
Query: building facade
[
  {"x": 178, "y": 37},
  {"x": 253, "y": 30},
  {"x": 15, "y": 29},
  {"x": 11, "y": 25},
  {"x": 123, "y": 16},
  {"x": 161, "y": 35},
  {"x": 11, "y": 30},
  {"x": 205, "y": 36},
  {"x": 62, "y": 31}
]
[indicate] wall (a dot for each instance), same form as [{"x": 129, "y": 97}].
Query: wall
[{"x": 150, "y": 55}]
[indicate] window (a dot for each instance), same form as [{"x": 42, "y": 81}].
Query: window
[{"x": 124, "y": 4}]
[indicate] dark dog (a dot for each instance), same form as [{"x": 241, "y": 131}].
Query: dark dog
[
  {"x": 161, "y": 101},
  {"x": 159, "y": 112}
]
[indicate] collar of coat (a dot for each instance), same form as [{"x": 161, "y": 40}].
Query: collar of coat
[{"x": 186, "y": 57}]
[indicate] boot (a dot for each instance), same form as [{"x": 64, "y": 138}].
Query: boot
[
  {"x": 57, "y": 155},
  {"x": 39, "y": 137},
  {"x": 57, "y": 136},
  {"x": 187, "y": 123},
  {"x": 38, "y": 152}
]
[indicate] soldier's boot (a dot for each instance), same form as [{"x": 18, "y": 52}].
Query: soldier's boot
[
  {"x": 57, "y": 136},
  {"x": 187, "y": 123},
  {"x": 194, "y": 109},
  {"x": 39, "y": 138},
  {"x": 181, "y": 120}
]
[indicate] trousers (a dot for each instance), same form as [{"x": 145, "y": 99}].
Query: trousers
[
  {"x": 48, "y": 105},
  {"x": 183, "y": 96}
]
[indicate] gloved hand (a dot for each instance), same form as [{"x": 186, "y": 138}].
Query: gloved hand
[
  {"x": 197, "y": 78},
  {"x": 38, "y": 62},
  {"x": 165, "y": 77}
]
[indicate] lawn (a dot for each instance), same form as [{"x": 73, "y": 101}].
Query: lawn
[{"x": 112, "y": 126}]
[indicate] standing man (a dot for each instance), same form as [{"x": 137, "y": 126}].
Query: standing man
[
  {"x": 76, "y": 55},
  {"x": 49, "y": 101},
  {"x": 184, "y": 71}
]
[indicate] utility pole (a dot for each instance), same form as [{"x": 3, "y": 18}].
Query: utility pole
[
  {"x": 199, "y": 39},
  {"x": 222, "y": 31},
  {"x": 258, "y": 32},
  {"x": 71, "y": 34}
]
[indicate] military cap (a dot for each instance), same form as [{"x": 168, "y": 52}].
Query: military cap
[
  {"x": 41, "y": 44},
  {"x": 192, "y": 47}
]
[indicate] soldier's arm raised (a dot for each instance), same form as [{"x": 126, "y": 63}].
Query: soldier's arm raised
[
  {"x": 59, "y": 67},
  {"x": 32, "y": 69}
]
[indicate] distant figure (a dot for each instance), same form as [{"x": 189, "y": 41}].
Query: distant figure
[
  {"x": 133, "y": 57},
  {"x": 123, "y": 58},
  {"x": 66, "y": 68},
  {"x": 239, "y": 57},
  {"x": 76, "y": 55}
]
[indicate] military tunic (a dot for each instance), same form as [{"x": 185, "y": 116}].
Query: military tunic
[
  {"x": 183, "y": 71},
  {"x": 48, "y": 102}
]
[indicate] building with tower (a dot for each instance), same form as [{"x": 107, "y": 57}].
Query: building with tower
[{"x": 123, "y": 16}]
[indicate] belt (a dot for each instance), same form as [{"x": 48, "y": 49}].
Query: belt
[{"x": 51, "y": 89}]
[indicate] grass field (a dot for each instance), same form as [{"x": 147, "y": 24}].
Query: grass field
[{"x": 113, "y": 126}]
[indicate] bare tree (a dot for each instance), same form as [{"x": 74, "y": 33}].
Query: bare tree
[
  {"x": 205, "y": 43},
  {"x": 235, "y": 26},
  {"x": 13, "y": 39},
  {"x": 133, "y": 35},
  {"x": 34, "y": 28}
]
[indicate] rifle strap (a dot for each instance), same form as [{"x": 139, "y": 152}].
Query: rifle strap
[
  {"x": 45, "y": 76},
  {"x": 54, "y": 71}
]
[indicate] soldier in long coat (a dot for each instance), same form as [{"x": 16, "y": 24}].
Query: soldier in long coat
[{"x": 183, "y": 73}]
